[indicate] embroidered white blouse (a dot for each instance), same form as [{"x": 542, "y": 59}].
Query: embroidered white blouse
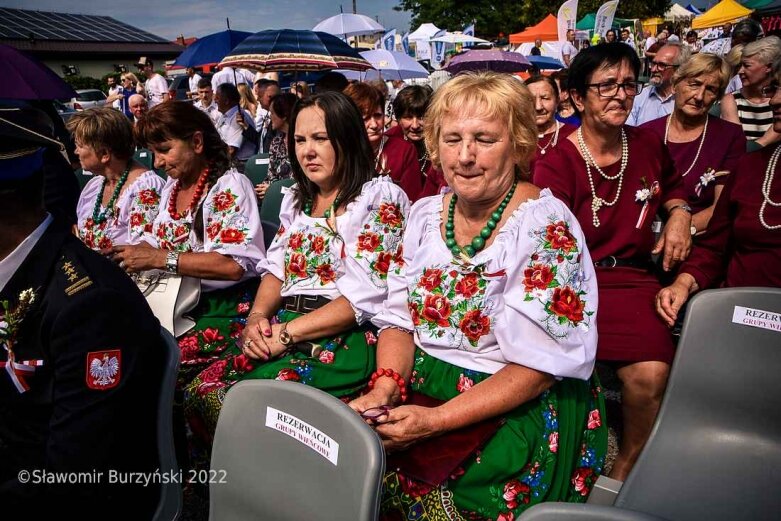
[
  {"x": 530, "y": 298},
  {"x": 352, "y": 261},
  {"x": 231, "y": 226},
  {"x": 134, "y": 211}
]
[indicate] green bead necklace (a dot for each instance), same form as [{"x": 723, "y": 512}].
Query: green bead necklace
[
  {"x": 478, "y": 242},
  {"x": 99, "y": 217},
  {"x": 327, "y": 213}
]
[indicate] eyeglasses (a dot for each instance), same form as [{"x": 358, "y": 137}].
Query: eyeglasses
[
  {"x": 662, "y": 66},
  {"x": 768, "y": 91},
  {"x": 610, "y": 89}
]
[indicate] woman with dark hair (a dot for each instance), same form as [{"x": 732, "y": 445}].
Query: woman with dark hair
[
  {"x": 208, "y": 228},
  {"x": 280, "y": 108},
  {"x": 391, "y": 156},
  {"x": 325, "y": 274},
  {"x": 615, "y": 178},
  {"x": 610, "y": 36},
  {"x": 546, "y": 102},
  {"x": 566, "y": 112},
  {"x": 410, "y": 107},
  {"x": 120, "y": 202}
]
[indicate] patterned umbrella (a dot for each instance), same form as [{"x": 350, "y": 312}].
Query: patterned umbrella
[
  {"x": 498, "y": 61},
  {"x": 295, "y": 50}
]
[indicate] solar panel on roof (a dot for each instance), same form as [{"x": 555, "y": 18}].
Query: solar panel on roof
[{"x": 44, "y": 25}]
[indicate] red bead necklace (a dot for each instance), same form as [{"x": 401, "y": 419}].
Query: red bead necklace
[{"x": 197, "y": 194}]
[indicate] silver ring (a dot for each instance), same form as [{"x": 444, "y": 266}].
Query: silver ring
[
  {"x": 247, "y": 344},
  {"x": 122, "y": 264}
]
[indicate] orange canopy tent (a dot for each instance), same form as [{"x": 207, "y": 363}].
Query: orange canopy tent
[{"x": 547, "y": 31}]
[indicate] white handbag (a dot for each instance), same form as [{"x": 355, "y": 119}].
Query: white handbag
[{"x": 170, "y": 296}]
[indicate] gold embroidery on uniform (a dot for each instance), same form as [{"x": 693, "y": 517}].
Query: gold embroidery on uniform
[
  {"x": 78, "y": 286},
  {"x": 70, "y": 271}
]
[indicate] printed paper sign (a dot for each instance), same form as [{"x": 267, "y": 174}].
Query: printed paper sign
[
  {"x": 301, "y": 431},
  {"x": 757, "y": 318},
  {"x": 261, "y": 160}
]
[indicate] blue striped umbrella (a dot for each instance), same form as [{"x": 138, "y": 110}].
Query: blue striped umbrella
[{"x": 295, "y": 50}]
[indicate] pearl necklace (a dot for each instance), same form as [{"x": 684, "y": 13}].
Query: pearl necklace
[
  {"x": 770, "y": 172},
  {"x": 699, "y": 148},
  {"x": 596, "y": 201},
  {"x": 553, "y": 141}
]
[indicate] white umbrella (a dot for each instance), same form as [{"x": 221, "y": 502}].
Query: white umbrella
[
  {"x": 392, "y": 65},
  {"x": 458, "y": 38},
  {"x": 347, "y": 24}
]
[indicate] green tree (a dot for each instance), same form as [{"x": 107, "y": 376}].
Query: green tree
[{"x": 508, "y": 16}]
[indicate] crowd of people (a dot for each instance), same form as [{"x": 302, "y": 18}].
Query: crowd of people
[{"x": 458, "y": 267}]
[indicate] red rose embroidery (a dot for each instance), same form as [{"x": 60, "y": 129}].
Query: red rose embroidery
[
  {"x": 242, "y": 307},
  {"x": 236, "y": 329},
  {"x": 436, "y": 309},
  {"x": 474, "y": 325},
  {"x": 148, "y": 228},
  {"x": 382, "y": 264},
  {"x": 295, "y": 240},
  {"x": 368, "y": 241},
  {"x": 566, "y": 303},
  {"x": 148, "y": 197},
  {"x": 431, "y": 279},
  {"x": 326, "y": 357},
  {"x": 398, "y": 258},
  {"x": 464, "y": 383},
  {"x": 89, "y": 239},
  {"x": 512, "y": 490},
  {"x": 414, "y": 313},
  {"x": 297, "y": 265},
  {"x": 213, "y": 230},
  {"x": 506, "y": 516},
  {"x": 318, "y": 244},
  {"x": 136, "y": 219},
  {"x": 104, "y": 243},
  {"x": 553, "y": 442},
  {"x": 537, "y": 277},
  {"x": 89, "y": 223},
  {"x": 467, "y": 286},
  {"x": 288, "y": 374},
  {"x": 160, "y": 231},
  {"x": 189, "y": 347},
  {"x": 214, "y": 372},
  {"x": 559, "y": 237},
  {"x": 581, "y": 480},
  {"x": 232, "y": 236},
  {"x": 371, "y": 338},
  {"x": 211, "y": 335},
  {"x": 326, "y": 273},
  {"x": 242, "y": 364},
  {"x": 594, "y": 420},
  {"x": 281, "y": 231},
  {"x": 223, "y": 201},
  {"x": 390, "y": 215}
]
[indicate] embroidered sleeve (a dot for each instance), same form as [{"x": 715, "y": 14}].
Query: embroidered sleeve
[
  {"x": 550, "y": 297},
  {"x": 274, "y": 261},
  {"x": 144, "y": 207},
  {"x": 371, "y": 240},
  {"x": 231, "y": 221}
]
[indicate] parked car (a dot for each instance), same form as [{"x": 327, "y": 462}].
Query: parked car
[
  {"x": 63, "y": 110},
  {"x": 86, "y": 99}
]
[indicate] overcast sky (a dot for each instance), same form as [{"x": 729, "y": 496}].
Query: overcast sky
[{"x": 170, "y": 18}]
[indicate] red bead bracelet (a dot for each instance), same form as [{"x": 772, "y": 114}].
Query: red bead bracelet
[{"x": 390, "y": 373}]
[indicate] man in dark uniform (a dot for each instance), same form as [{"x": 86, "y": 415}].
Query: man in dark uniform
[{"x": 81, "y": 358}]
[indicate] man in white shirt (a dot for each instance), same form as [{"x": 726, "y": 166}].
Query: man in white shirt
[
  {"x": 626, "y": 37},
  {"x": 113, "y": 90},
  {"x": 568, "y": 49},
  {"x": 205, "y": 101},
  {"x": 264, "y": 91},
  {"x": 155, "y": 88},
  {"x": 658, "y": 98},
  {"x": 226, "y": 75},
  {"x": 193, "y": 82},
  {"x": 229, "y": 124}
]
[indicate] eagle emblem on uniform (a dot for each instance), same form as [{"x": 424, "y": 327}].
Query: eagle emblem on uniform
[{"x": 104, "y": 369}]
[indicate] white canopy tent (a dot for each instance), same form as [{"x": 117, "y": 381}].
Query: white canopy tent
[
  {"x": 677, "y": 12},
  {"x": 425, "y": 32}
]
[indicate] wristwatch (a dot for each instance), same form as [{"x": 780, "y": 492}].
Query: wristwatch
[
  {"x": 285, "y": 338},
  {"x": 172, "y": 262}
]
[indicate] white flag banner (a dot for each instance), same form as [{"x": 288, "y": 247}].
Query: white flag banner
[
  {"x": 567, "y": 18},
  {"x": 389, "y": 40},
  {"x": 605, "y": 15},
  {"x": 422, "y": 50}
]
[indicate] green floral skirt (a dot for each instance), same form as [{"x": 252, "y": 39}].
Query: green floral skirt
[
  {"x": 549, "y": 449},
  {"x": 342, "y": 370},
  {"x": 220, "y": 317}
]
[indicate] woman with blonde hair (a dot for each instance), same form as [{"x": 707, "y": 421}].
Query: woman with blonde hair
[
  {"x": 127, "y": 82},
  {"x": 248, "y": 101},
  {"x": 489, "y": 328},
  {"x": 749, "y": 107},
  {"x": 705, "y": 148}
]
